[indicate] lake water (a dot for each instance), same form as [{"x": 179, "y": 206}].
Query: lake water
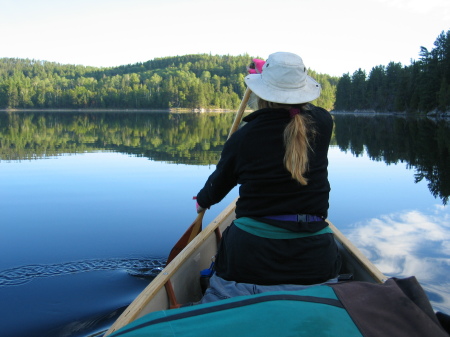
[{"x": 92, "y": 203}]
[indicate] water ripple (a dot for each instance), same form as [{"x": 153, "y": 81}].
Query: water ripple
[{"x": 138, "y": 267}]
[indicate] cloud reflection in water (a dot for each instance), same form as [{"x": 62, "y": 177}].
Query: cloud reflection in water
[{"x": 411, "y": 243}]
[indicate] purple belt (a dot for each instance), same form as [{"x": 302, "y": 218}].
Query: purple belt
[{"x": 296, "y": 217}]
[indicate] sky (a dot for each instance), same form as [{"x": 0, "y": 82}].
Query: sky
[{"x": 332, "y": 36}]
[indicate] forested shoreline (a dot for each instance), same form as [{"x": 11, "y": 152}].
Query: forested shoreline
[
  {"x": 182, "y": 82},
  {"x": 423, "y": 86},
  {"x": 203, "y": 81}
]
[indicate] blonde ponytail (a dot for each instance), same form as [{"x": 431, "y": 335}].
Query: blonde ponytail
[
  {"x": 296, "y": 141},
  {"x": 297, "y": 135}
]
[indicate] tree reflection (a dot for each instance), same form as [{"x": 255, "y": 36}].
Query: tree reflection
[
  {"x": 422, "y": 143},
  {"x": 198, "y": 138},
  {"x": 178, "y": 138}
]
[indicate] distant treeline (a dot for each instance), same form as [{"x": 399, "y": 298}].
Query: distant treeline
[
  {"x": 190, "y": 82},
  {"x": 423, "y": 86}
]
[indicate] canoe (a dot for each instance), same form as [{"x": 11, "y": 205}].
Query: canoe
[{"x": 179, "y": 281}]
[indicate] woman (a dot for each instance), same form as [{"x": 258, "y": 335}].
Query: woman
[{"x": 279, "y": 158}]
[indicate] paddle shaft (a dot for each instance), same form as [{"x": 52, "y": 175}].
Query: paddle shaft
[
  {"x": 240, "y": 112},
  {"x": 196, "y": 227}
]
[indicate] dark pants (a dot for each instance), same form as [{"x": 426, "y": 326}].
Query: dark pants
[{"x": 243, "y": 257}]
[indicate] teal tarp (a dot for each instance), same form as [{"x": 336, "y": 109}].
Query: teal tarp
[{"x": 315, "y": 311}]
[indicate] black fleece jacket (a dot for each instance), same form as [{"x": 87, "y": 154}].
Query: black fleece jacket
[{"x": 253, "y": 157}]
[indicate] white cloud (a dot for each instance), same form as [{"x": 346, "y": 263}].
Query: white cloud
[
  {"x": 410, "y": 244},
  {"x": 406, "y": 244}
]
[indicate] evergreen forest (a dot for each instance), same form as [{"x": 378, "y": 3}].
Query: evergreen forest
[
  {"x": 423, "y": 86},
  {"x": 206, "y": 81},
  {"x": 182, "y": 82}
]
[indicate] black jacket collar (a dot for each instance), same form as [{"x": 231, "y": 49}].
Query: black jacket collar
[{"x": 273, "y": 113}]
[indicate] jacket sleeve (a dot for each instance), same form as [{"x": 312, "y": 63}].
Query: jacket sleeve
[{"x": 224, "y": 177}]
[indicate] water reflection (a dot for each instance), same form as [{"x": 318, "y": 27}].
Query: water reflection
[
  {"x": 197, "y": 139},
  {"x": 422, "y": 143},
  {"x": 410, "y": 243},
  {"x": 75, "y": 225},
  {"x": 175, "y": 138}
]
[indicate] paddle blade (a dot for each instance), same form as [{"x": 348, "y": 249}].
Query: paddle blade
[{"x": 187, "y": 237}]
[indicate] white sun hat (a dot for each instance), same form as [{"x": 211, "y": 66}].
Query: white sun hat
[{"x": 284, "y": 79}]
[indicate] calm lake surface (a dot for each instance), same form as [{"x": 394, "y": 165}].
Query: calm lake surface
[{"x": 92, "y": 203}]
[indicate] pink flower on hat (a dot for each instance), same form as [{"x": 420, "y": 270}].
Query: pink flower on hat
[{"x": 257, "y": 64}]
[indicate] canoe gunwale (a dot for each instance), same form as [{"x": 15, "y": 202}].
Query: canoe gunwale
[
  {"x": 134, "y": 310},
  {"x": 156, "y": 292},
  {"x": 348, "y": 248}
]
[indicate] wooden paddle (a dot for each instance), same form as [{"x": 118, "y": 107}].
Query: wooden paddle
[
  {"x": 196, "y": 227},
  {"x": 240, "y": 112},
  {"x": 192, "y": 231}
]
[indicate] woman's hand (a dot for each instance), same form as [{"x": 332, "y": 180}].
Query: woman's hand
[{"x": 198, "y": 207}]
